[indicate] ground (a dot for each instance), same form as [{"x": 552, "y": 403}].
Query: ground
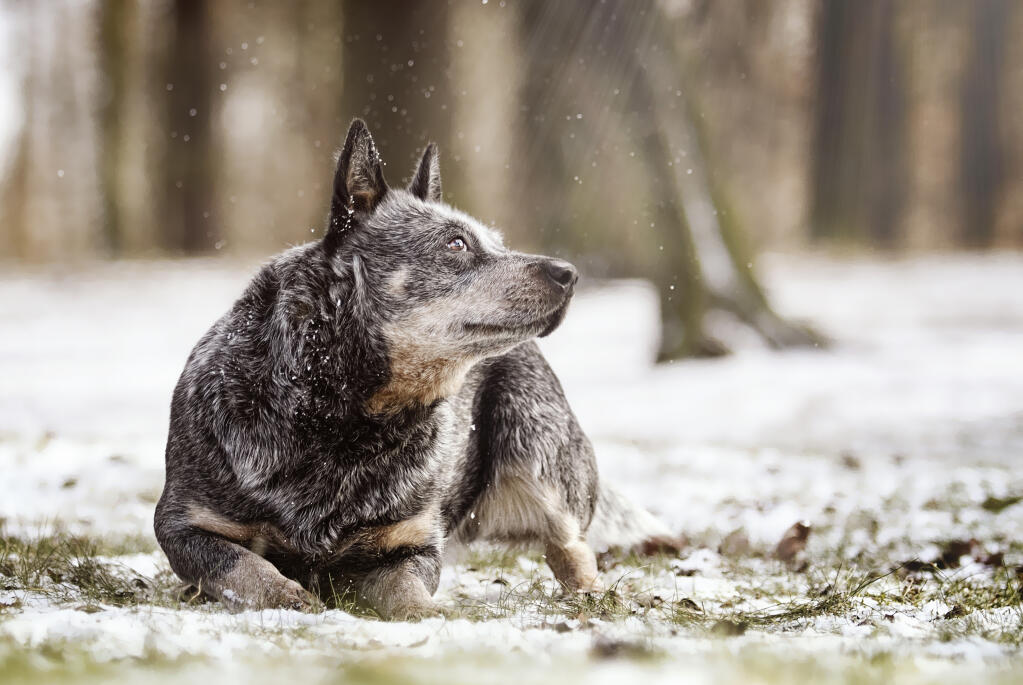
[{"x": 899, "y": 447}]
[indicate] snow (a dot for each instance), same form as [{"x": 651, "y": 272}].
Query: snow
[{"x": 887, "y": 444}]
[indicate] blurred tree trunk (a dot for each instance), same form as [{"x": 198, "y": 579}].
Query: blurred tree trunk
[
  {"x": 720, "y": 259},
  {"x": 395, "y": 76},
  {"x": 679, "y": 278},
  {"x": 859, "y": 180},
  {"x": 542, "y": 188},
  {"x": 14, "y": 198},
  {"x": 980, "y": 162},
  {"x": 49, "y": 205},
  {"x": 629, "y": 50},
  {"x": 188, "y": 192},
  {"x": 115, "y": 19}
]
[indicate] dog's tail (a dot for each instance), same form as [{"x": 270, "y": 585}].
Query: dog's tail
[{"x": 618, "y": 522}]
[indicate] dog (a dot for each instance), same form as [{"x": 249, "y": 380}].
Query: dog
[{"x": 373, "y": 396}]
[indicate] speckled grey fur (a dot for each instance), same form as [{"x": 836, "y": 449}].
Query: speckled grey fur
[{"x": 370, "y": 396}]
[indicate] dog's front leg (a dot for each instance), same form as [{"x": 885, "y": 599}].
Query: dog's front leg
[
  {"x": 403, "y": 591},
  {"x": 398, "y": 584},
  {"x": 227, "y": 571}
]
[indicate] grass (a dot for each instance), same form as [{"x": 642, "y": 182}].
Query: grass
[
  {"x": 768, "y": 598},
  {"x": 68, "y": 568},
  {"x": 758, "y": 597}
]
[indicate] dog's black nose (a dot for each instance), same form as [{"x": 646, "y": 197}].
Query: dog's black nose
[{"x": 561, "y": 272}]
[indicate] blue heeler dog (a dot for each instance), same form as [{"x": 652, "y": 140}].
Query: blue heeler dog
[{"x": 372, "y": 396}]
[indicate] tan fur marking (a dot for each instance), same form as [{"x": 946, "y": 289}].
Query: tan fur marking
[
  {"x": 430, "y": 350},
  {"x": 521, "y": 507},
  {"x": 424, "y": 365},
  {"x": 418, "y": 382},
  {"x": 414, "y": 532},
  {"x": 575, "y": 566},
  {"x": 258, "y": 536}
]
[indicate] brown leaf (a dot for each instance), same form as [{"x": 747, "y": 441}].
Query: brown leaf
[
  {"x": 662, "y": 544},
  {"x": 954, "y": 550},
  {"x": 648, "y": 601},
  {"x": 996, "y": 559},
  {"x": 793, "y": 542}
]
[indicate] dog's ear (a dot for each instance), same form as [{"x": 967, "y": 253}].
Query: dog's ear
[
  {"x": 425, "y": 183},
  {"x": 359, "y": 184}
]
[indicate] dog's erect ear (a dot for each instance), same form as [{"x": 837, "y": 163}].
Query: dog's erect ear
[
  {"x": 359, "y": 183},
  {"x": 425, "y": 183}
]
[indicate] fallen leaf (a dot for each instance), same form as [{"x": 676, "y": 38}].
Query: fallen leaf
[
  {"x": 606, "y": 648},
  {"x": 996, "y": 559},
  {"x": 793, "y": 543},
  {"x": 954, "y": 550},
  {"x": 662, "y": 544}
]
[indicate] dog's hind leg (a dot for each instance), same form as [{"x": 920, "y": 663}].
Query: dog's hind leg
[
  {"x": 521, "y": 507},
  {"x": 223, "y": 569},
  {"x": 574, "y": 565},
  {"x": 536, "y": 470}
]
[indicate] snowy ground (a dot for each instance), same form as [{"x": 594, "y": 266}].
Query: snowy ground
[{"x": 901, "y": 444}]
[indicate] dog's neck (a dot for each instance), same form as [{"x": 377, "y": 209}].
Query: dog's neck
[{"x": 418, "y": 383}]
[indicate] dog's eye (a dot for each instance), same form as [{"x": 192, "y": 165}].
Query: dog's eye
[{"x": 457, "y": 245}]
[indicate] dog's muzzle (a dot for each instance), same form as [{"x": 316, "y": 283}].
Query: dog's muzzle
[
  {"x": 560, "y": 274},
  {"x": 562, "y": 277}
]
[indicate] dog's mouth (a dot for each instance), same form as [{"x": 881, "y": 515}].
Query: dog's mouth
[
  {"x": 554, "y": 319},
  {"x": 540, "y": 327}
]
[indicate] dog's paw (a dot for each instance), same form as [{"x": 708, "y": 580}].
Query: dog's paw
[
  {"x": 590, "y": 586},
  {"x": 413, "y": 613},
  {"x": 274, "y": 593},
  {"x": 296, "y": 597},
  {"x": 287, "y": 594}
]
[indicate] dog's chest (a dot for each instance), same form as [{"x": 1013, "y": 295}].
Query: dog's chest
[{"x": 393, "y": 478}]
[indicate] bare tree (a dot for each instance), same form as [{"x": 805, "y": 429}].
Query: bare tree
[
  {"x": 625, "y": 53},
  {"x": 115, "y": 17},
  {"x": 395, "y": 63},
  {"x": 188, "y": 189},
  {"x": 859, "y": 178},
  {"x": 981, "y": 163}
]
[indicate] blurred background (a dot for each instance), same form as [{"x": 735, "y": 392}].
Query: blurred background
[
  {"x": 730, "y": 176},
  {"x": 672, "y": 140}
]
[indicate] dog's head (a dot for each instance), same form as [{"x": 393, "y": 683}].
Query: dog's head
[{"x": 447, "y": 291}]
